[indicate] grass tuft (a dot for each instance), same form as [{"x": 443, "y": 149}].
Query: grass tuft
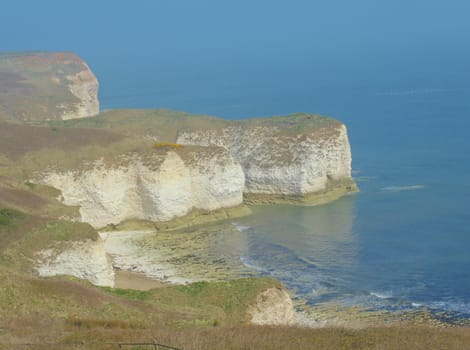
[
  {"x": 167, "y": 145},
  {"x": 130, "y": 294},
  {"x": 7, "y": 216},
  {"x": 92, "y": 323}
]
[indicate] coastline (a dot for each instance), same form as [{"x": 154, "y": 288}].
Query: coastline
[
  {"x": 129, "y": 275},
  {"x": 193, "y": 220},
  {"x": 328, "y": 315},
  {"x": 333, "y": 191},
  {"x": 124, "y": 279}
]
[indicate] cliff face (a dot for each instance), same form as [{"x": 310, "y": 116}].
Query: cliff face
[
  {"x": 284, "y": 165},
  {"x": 273, "y": 307},
  {"x": 37, "y": 86},
  {"x": 83, "y": 259},
  {"x": 299, "y": 159},
  {"x": 158, "y": 187},
  {"x": 84, "y": 86}
]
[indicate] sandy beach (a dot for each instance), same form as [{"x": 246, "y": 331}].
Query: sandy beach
[{"x": 134, "y": 280}]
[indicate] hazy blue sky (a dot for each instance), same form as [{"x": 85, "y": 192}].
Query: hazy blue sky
[
  {"x": 168, "y": 41},
  {"x": 363, "y": 25}
]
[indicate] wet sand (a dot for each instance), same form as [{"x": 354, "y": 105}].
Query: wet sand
[{"x": 134, "y": 280}]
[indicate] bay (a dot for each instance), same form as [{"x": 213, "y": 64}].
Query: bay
[{"x": 403, "y": 241}]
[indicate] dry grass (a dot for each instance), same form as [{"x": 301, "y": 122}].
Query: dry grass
[
  {"x": 260, "y": 338},
  {"x": 165, "y": 124},
  {"x": 92, "y": 323},
  {"x": 35, "y": 85},
  {"x": 17, "y": 140},
  {"x": 268, "y": 338},
  {"x": 167, "y": 145},
  {"x": 39, "y": 200}
]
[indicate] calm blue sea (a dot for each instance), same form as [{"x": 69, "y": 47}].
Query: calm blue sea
[{"x": 403, "y": 242}]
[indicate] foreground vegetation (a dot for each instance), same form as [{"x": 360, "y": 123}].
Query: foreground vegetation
[
  {"x": 67, "y": 311},
  {"x": 94, "y": 335}
]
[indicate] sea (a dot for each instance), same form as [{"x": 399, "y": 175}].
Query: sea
[{"x": 403, "y": 242}]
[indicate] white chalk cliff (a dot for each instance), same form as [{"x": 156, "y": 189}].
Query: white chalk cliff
[
  {"x": 157, "y": 187},
  {"x": 82, "y": 259},
  {"x": 308, "y": 162},
  {"x": 273, "y": 306},
  {"x": 283, "y": 164},
  {"x": 84, "y": 86}
]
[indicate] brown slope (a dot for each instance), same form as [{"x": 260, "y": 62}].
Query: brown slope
[{"x": 17, "y": 140}]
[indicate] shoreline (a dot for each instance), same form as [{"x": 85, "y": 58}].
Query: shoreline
[
  {"x": 181, "y": 255},
  {"x": 124, "y": 279},
  {"x": 321, "y": 315},
  {"x": 334, "y": 191},
  {"x": 329, "y": 315}
]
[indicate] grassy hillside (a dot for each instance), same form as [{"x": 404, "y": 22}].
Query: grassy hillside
[
  {"x": 166, "y": 123},
  {"x": 64, "y": 309},
  {"x": 59, "y": 309},
  {"x": 25, "y": 150}
]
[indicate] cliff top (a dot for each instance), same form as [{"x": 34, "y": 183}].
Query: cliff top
[
  {"x": 37, "y": 86},
  {"x": 165, "y": 124}
]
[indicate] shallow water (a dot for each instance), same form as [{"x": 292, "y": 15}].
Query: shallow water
[
  {"x": 326, "y": 255},
  {"x": 403, "y": 242}
]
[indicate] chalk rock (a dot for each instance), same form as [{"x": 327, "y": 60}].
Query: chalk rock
[
  {"x": 157, "y": 186},
  {"x": 82, "y": 259},
  {"x": 284, "y": 161},
  {"x": 273, "y": 307}
]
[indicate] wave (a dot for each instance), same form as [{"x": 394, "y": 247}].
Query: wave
[
  {"x": 308, "y": 261},
  {"x": 457, "y": 306},
  {"x": 320, "y": 290},
  {"x": 412, "y": 92},
  {"x": 247, "y": 263},
  {"x": 402, "y": 188},
  {"x": 241, "y": 228},
  {"x": 382, "y": 295}
]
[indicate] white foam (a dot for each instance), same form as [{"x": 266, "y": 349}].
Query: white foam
[
  {"x": 241, "y": 228},
  {"x": 416, "y": 304},
  {"x": 451, "y": 305},
  {"x": 251, "y": 265},
  {"x": 319, "y": 291},
  {"x": 382, "y": 295},
  {"x": 402, "y": 188}
]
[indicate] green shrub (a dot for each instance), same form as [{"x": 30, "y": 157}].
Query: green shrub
[{"x": 7, "y": 216}]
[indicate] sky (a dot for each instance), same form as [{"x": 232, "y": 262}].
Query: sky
[
  {"x": 354, "y": 26},
  {"x": 353, "y": 38}
]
